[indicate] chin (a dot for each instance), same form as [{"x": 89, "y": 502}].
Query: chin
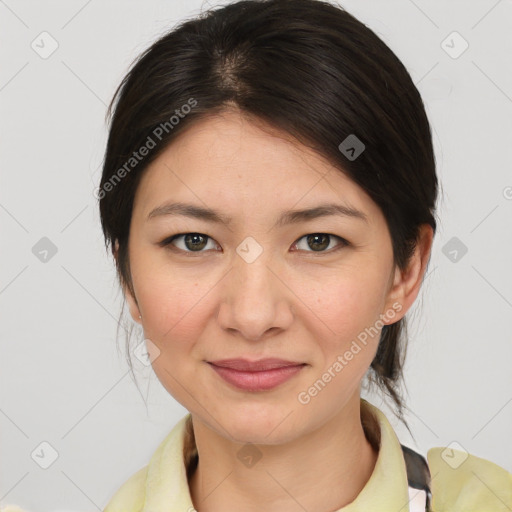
[{"x": 260, "y": 423}]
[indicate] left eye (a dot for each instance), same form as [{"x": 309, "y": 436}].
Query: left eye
[
  {"x": 195, "y": 242},
  {"x": 320, "y": 241}
]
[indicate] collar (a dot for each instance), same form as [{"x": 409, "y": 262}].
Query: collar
[{"x": 387, "y": 489}]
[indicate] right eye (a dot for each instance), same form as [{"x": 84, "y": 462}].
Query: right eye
[{"x": 190, "y": 242}]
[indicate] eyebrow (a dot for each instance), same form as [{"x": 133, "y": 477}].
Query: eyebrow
[{"x": 287, "y": 217}]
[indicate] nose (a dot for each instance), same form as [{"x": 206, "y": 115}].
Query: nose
[{"x": 256, "y": 301}]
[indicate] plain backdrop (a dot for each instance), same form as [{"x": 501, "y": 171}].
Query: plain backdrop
[{"x": 63, "y": 382}]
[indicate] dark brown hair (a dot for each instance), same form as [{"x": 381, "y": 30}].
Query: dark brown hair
[{"x": 307, "y": 67}]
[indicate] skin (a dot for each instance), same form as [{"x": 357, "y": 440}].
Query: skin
[{"x": 295, "y": 301}]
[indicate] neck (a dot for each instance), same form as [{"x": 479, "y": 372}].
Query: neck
[{"x": 323, "y": 470}]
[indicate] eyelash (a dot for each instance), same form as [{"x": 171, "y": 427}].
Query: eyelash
[{"x": 167, "y": 243}]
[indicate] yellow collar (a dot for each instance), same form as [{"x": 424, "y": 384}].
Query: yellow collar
[
  {"x": 461, "y": 482},
  {"x": 387, "y": 489}
]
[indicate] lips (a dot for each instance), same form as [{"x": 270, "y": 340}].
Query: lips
[
  {"x": 254, "y": 366},
  {"x": 261, "y": 375}
]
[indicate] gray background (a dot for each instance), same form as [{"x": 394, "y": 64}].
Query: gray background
[{"x": 62, "y": 379}]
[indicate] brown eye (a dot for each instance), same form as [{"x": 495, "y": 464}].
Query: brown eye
[
  {"x": 319, "y": 242},
  {"x": 191, "y": 242},
  {"x": 195, "y": 241}
]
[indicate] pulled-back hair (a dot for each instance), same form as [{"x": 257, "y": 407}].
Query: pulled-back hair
[{"x": 306, "y": 67}]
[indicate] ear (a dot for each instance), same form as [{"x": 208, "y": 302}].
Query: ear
[
  {"x": 130, "y": 299},
  {"x": 407, "y": 283}
]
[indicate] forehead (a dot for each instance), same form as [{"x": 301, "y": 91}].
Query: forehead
[{"x": 238, "y": 163}]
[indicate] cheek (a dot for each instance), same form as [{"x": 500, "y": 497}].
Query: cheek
[
  {"x": 346, "y": 306},
  {"x": 174, "y": 318},
  {"x": 344, "y": 320},
  {"x": 171, "y": 305}
]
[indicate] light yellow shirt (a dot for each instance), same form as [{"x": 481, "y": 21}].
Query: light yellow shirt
[
  {"x": 460, "y": 482},
  {"x": 475, "y": 485}
]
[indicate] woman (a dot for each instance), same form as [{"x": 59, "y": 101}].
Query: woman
[{"x": 269, "y": 195}]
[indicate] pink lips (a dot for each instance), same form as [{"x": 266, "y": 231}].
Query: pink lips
[{"x": 256, "y": 375}]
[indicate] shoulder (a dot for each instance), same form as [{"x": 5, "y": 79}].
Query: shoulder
[
  {"x": 163, "y": 475},
  {"x": 131, "y": 495},
  {"x": 462, "y": 482}
]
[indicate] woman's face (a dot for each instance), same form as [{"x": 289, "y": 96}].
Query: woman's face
[{"x": 257, "y": 288}]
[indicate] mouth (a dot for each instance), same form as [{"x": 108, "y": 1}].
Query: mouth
[{"x": 261, "y": 375}]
